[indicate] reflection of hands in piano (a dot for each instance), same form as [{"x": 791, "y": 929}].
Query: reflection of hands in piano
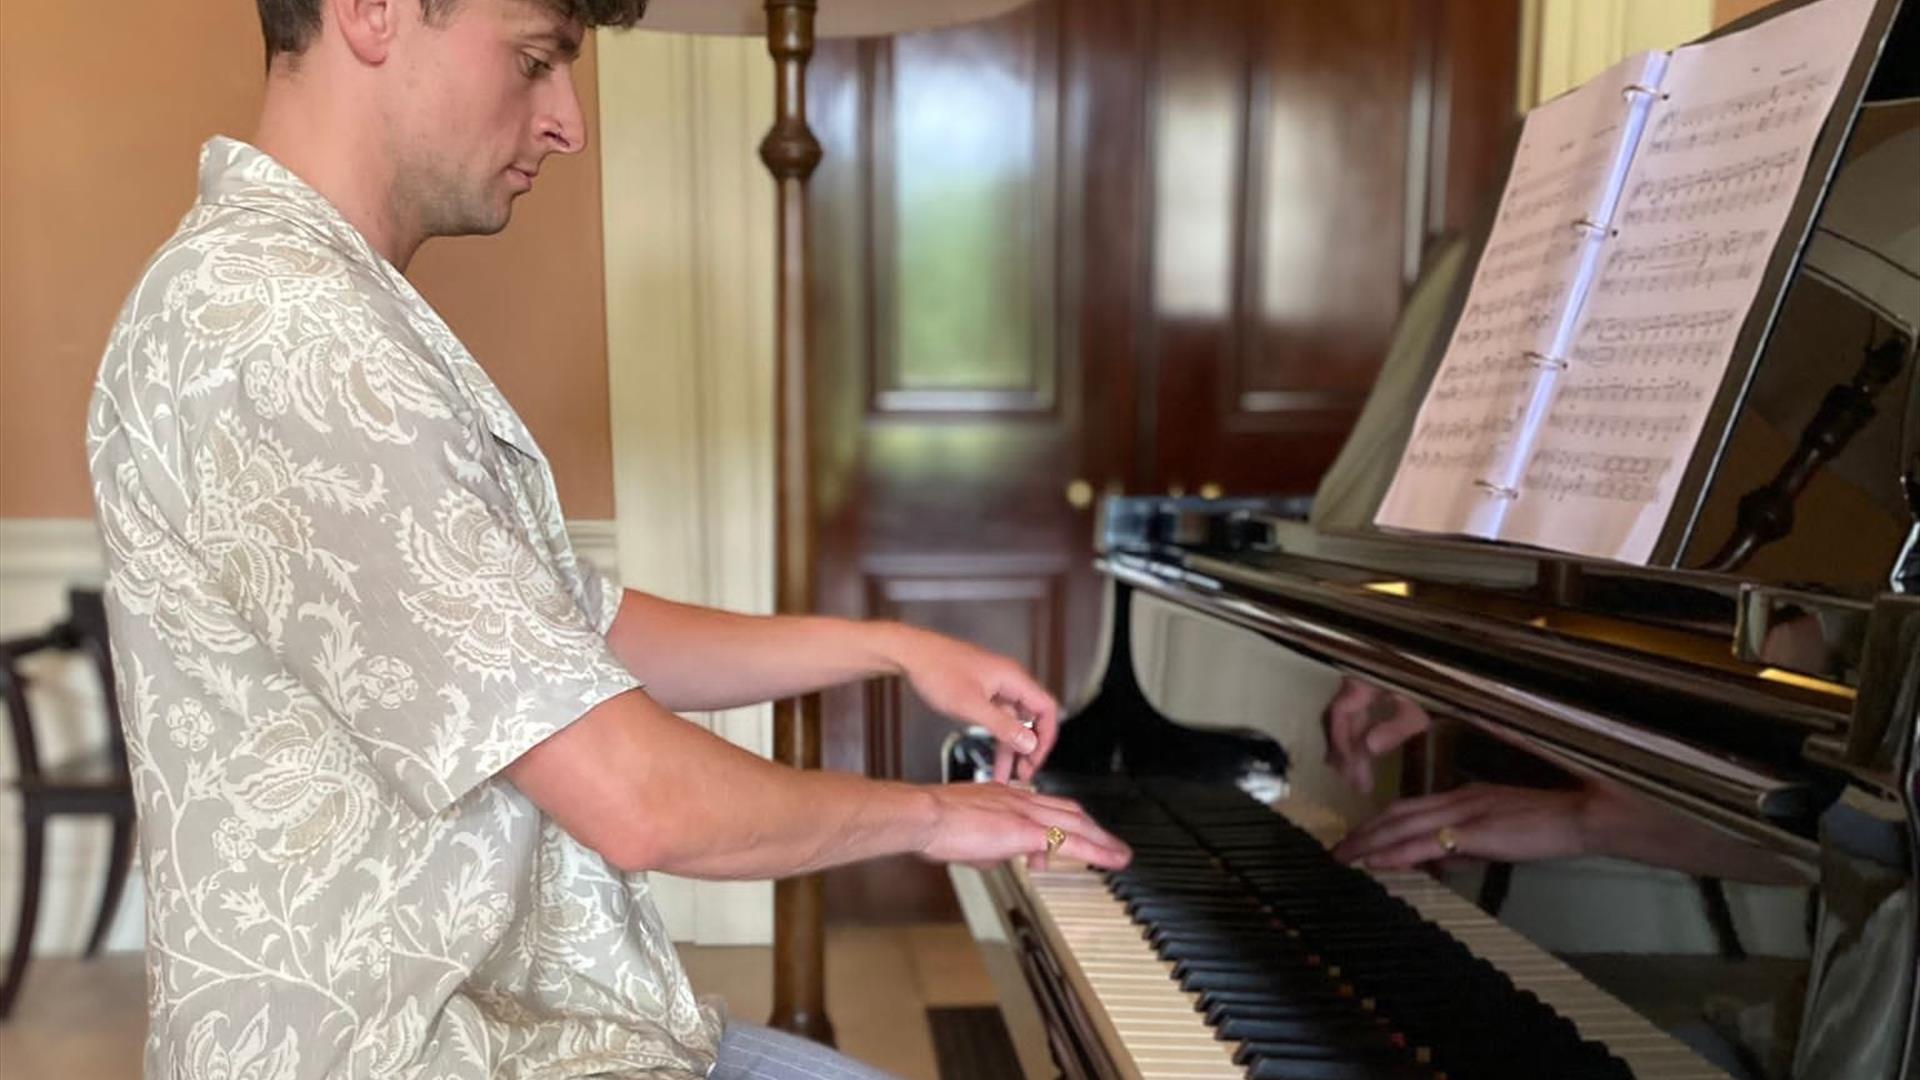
[
  {"x": 1362, "y": 722},
  {"x": 1499, "y": 823},
  {"x": 1484, "y": 821},
  {"x": 983, "y": 825},
  {"x": 974, "y": 686}
]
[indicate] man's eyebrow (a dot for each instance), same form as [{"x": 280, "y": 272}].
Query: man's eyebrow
[{"x": 561, "y": 42}]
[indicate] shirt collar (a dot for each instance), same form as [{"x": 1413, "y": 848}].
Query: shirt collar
[{"x": 235, "y": 174}]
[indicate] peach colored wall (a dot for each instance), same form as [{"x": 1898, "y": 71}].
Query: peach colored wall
[
  {"x": 102, "y": 109},
  {"x": 1725, "y": 11}
]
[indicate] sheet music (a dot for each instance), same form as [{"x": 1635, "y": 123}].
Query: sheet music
[
  {"x": 1519, "y": 313},
  {"x": 1706, "y": 198}
]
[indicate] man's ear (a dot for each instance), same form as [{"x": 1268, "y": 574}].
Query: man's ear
[{"x": 368, "y": 26}]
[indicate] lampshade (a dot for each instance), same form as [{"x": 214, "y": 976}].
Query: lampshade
[{"x": 836, "y": 18}]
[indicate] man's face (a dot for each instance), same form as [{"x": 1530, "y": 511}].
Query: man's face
[{"x": 484, "y": 93}]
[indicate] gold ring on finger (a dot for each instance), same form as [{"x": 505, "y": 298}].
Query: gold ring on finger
[
  {"x": 1055, "y": 837},
  {"x": 1448, "y": 840}
]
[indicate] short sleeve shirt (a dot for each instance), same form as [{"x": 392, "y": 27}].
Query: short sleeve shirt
[{"x": 342, "y": 599}]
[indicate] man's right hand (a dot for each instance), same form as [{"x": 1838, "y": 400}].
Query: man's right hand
[{"x": 985, "y": 824}]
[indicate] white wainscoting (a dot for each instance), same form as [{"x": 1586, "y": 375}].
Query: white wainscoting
[
  {"x": 39, "y": 561},
  {"x": 689, "y": 227}
]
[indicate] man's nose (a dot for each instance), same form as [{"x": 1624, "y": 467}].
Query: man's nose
[{"x": 563, "y": 126}]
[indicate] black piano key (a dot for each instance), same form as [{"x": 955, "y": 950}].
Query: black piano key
[
  {"x": 1332, "y": 999},
  {"x": 1329, "y": 1009},
  {"x": 1264, "y": 1068},
  {"x": 1275, "y": 981},
  {"x": 1199, "y": 949},
  {"x": 1376, "y": 1051},
  {"x": 1348, "y": 1031}
]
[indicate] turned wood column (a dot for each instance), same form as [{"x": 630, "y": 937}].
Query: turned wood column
[{"x": 791, "y": 152}]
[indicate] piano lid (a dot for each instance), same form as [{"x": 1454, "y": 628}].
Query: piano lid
[{"x": 1817, "y": 429}]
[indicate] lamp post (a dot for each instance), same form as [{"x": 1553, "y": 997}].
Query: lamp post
[{"x": 790, "y": 152}]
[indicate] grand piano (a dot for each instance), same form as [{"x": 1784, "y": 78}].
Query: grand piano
[{"x": 1757, "y": 684}]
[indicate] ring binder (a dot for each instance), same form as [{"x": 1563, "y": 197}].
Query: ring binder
[
  {"x": 1498, "y": 491},
  {"x": 1616, "y": 217}
]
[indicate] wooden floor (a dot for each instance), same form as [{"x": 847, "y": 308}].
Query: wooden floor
[{"x": 86, "y": 1020}]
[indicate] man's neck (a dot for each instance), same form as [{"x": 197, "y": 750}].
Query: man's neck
[{"x": 345, "y": 162}]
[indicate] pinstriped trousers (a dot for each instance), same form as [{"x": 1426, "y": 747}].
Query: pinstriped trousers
[{"x": 751, "y": 1052}]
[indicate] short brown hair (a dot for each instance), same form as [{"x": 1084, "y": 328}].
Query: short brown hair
[{"x": 289, "y": 25}]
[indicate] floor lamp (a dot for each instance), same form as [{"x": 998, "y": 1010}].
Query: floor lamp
[{"x": 790, "y": 152}]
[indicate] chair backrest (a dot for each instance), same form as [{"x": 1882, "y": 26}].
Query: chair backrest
[{"x": 84, "y": 630}]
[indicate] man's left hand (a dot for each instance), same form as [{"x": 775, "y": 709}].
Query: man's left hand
[{"x": 974, "y": 686}]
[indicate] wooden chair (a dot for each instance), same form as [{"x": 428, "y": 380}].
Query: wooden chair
[{"x": 96, "y": 784}]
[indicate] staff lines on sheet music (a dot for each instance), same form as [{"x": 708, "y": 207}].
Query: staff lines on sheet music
[
  {"x": 1522, "y": 301},
  {"x": 1523, "y": 242},
  {"x": 1689, "y": 261},
  {"x": 1494, "y": 363},
  {"x": 1525, "y": 326},
  {"x": 1491, "y": 425},
  {"x": 1636, "y": 392},
  {"x": 1618, "y": 425},
  {"x": 1660, "y": 354},
  {"x": 1664, "y": 327},
  {"x": 1472, "y": 458},
  {"x": 1558, "y": 187},
  {"x": 1481, "y": 389},
  {"x": 1691, "y": 196},
  {"x": 1492, "y": 271},
  {"x": 1735, "y": 118},
  {"x": 1597, "y": 474}
]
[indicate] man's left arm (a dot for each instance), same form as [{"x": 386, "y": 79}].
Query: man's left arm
[{"x": 695, "y": 659}]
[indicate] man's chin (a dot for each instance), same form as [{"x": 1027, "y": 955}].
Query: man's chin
[{"x": 477, "y": 225}]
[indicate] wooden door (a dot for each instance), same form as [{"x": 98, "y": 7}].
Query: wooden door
[
  {"x": 1303, "y": 155},
  {"x": 1037, "y": 260}
]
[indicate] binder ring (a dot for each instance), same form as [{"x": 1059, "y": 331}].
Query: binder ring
[
  {"x": 1637, "y": 88},
  {"x": 1542, "y": 360},
  {"x": 1589, "y": 226},
  {"x": 1498, "y": 491}
]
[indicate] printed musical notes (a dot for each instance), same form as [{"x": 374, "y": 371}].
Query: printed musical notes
[
  {"x": 1641, "y": 216},
  {"x": 1655, "y": 391},
  {"x": 1689, "y": 260},
  {"x": 1637, "y": 427},
  {"x": 1694, "y": 196},
  {"x": 1665, "y": 329},
  {"x": 1547, "y": 192},
  {"x": 1559, "y": 476},
  {"x": 1703, "y": 207},
  {"x": 1787, "y": 104},
  {"x": 1526, "y": 292}
]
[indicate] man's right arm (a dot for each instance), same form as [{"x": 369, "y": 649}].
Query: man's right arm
[{"x": 651, "y": 791}]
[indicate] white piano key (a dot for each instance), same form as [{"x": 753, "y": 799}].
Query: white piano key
[{"x": 1159, "y": 1032}]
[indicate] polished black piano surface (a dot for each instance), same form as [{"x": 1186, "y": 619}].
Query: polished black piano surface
[{"x": 1757, "y": 685}]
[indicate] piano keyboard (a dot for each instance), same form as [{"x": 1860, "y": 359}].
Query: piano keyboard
[{"x": 1225, "y": 951}]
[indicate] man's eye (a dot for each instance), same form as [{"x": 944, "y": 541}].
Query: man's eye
[{"x": 534, "y": 67}]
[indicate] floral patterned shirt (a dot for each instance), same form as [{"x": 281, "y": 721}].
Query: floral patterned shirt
[{"x": 342, "y": 598}]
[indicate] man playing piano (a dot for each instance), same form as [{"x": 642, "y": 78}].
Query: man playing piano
[{"x": 398, "y": 775}]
